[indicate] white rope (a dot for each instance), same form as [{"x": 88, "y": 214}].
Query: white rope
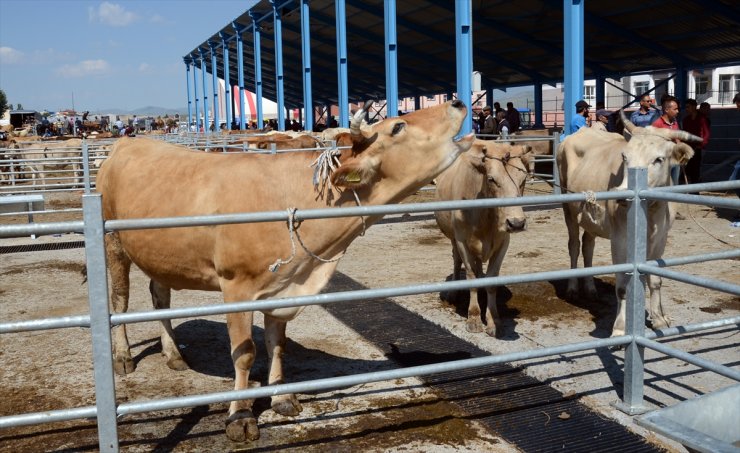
[
  {"x": 279, "y": 262},
  {"x": 327, "y": 162},
  {"x": 590, "y": 197}
]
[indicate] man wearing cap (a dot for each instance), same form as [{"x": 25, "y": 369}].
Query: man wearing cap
[
  {"x": 579, "y": 120},
  {"x": 489, "y": 125},
  {"x": 602, "y": 120}
]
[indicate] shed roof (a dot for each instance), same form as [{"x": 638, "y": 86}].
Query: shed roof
[{"x": 514, "y": 43}]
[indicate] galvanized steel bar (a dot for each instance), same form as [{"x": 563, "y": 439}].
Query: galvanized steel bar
[
  {"x": 343, "y": 84},
  {"x": 689, "y": 358},
  {"x": 690, "y": 328},
  {"x": 97, "y": 282},
  {"x": 692, "y": 279},
  {"x": 464, "y": 45},
  {"x": 38, "y": 418},
  {"x": 45, "y": 324},
  {"x": 717, "y": 186},
  {"x": 720, "y": 202},
  {"x": 306, "y": 60},
  {"x": 351, "y": 380},
  {"x": 636, "y": 243},
  {"x": 85, "y": 165},
  {"x": 391, "y": 59}
]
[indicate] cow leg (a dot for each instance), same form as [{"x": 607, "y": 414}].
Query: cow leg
[
  {"x": 494, "y": 324},
  {"x": 275, "y": 341},
  {"x": 621, "y": 290},
  {"x": 658, "y": 319},
  {"x": 119, "y": 266},
  {"x": 473, "y": 269},
  {"x": 241, "y": 425},
  {"x": 574, "y": 246},
  {"x": 589, "y": 242},
  {"x": 161, "y": 299}
]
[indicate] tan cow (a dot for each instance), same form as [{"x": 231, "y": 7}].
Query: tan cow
[
  {"x": 487, "y": 170},
  {"x": 257, "y": 260},
  {"x": 44, "y": 156},
  {"x": 596, "y": 161}
]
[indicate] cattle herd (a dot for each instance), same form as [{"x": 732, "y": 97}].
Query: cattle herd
[{"x": 376, "y": 164}]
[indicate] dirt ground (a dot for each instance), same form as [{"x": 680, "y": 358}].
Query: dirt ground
[{"x": 53, "y": 369}]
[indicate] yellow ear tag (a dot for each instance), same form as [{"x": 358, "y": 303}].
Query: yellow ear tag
[{"x": 353, "y": 177}]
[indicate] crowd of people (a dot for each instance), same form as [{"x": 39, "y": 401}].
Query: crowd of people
[{"x": 497, "y": 122}]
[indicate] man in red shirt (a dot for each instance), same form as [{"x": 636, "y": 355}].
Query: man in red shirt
[
  {"x": 695, "y": 123},
  {"x": 670, "y": 112}
]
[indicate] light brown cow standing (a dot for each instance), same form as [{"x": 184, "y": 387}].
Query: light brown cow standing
[
  {"x": 596, "y": 161},
  {"x": 146, "y": 179},
  {"x": 487, "y": 170},
  {"x": 40, "y": 157}
]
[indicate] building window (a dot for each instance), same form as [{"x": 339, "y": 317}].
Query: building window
[
  {"x": 589, "y": 94},
  {"x": 641, "y": 88},
  {"x": 701, "y": 85},
  {"x": 729, "y": 85}
]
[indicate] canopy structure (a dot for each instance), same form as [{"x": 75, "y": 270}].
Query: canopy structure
[{"x": 514, "y": 43}]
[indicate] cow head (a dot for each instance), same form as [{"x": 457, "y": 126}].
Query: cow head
[
  {"x": 405, "y": 152},
  {"x": 505, "y": 168},
  {"x": 656, "y": 149}
]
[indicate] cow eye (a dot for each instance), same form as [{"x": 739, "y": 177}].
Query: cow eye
[
  {"x": 491, "y": 179},
  {"x": 397, "y": 128},
  {"x": 624, "y": 157},
  {"x": 659, "y": 160}
]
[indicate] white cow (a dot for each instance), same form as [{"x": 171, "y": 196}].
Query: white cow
[
  {"x": 42, "y": 157},
  {"x": 593, "y": 160},
  {"x": 487, "y": 170}
]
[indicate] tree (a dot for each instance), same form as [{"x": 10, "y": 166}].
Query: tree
[{"x": 3, "y": 103}]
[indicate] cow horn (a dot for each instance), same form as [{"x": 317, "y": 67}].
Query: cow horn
[
  {"x": 354, "y": 126},
  {"x": 631, "y": 128},
  {"x": 683, "y": 136}
]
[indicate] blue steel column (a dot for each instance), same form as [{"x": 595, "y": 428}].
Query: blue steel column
[
  {"x": 601, "y": 89},
  {"x": 187, "y": 80},
  {"x": 464, "y": 46},
  {"x": 538, "y": 105},
  {"x": 681, "y": 85},
  {"x": 205, "y": 91},
  {"x": 489, "y": 96},
  {"x": 240, "y": 63},
  {"x": 306, "y": 48},
  {"x": 195, "y": 93},
  {"x": 227, "y": 79},
  {"x": 278, "y": 32},
  {"x": 256, "y": 33},
  {"x": 214, "y": 78},
  {"x": 417, "y": 103},
  {"x": 391, "y": 58},
  {"x": 573, "y": 57},
  {"x": 342, "y": 93}
]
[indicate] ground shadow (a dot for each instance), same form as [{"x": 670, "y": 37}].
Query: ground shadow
[
  {"x": 460, "y": 299},
  {"x": 603, "y": 309}
]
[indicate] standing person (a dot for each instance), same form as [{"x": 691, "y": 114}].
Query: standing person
[
  {"x": 503, "y": 127},
  {"x": 496, "y": 108},
  {"x": 706, "y": 110},
  {"x": 695, "y": 123},
  {"x": 644, "y": 116},
  {"x": 602, "y": 120},
  {"x": 489, "y": 124},
  {"x": 670, "y": 112},
  {"x": 579, "y": 120},
  {"x": 512, "y": 116}
]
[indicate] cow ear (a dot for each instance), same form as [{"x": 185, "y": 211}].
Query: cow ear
[
  {"x": 355, "y": 174},
  {"x": 528, "y": 158},
  {"x": 682, "y": 153}
]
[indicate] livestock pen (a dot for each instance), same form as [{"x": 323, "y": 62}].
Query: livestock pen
[{"x": 107, "y": 410}]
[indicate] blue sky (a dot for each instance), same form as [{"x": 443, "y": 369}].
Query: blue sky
[{"x": 118, "y": 54}]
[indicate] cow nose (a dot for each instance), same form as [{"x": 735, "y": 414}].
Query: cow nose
[
  {"x": 514, "y": 225},
  {"x": 458, "y": 104}
]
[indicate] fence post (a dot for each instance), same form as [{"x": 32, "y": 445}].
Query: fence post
[
  {"x": 634, "y": 366},
  {"x": 97, "y": 282},
  {"x": 86, "y": 165}
]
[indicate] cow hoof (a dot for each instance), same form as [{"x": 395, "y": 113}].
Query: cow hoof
[
  {"x": 123, "y": 366},
  {"x": 474, "y": 326},
  {"x": 177, "y": 364},
  {"x": 287, "y": 406},
  {"x": 571, "y": 294},
  {"x": 660, "y": 323},
  {"x": 241, "y": 426}
]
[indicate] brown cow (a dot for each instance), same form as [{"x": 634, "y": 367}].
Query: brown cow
[
  {"x": 257, "y": 260},
  {"x": 596, "y": 161},
  {"x": 488, "y": 170}
]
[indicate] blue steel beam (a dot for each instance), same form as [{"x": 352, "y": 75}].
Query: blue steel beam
[
  {"x": 188, "y": 62},
  {"x": 343, "y": 86},
  {"x": 214, "y": 78},
  {"x": 391, "y": 59},
  {"x": 206, "y": 130},
  {"x": 278, "y": 33},
  {"x": 256, "y": 34},
  {"x": 464, "y": 46},
  {"x": 306, "y": 59},
  {"x": 573, "y": 57},
  {"x": 240, "y": 68},
  {"x": 195, "y": 95},
  {"x": 227, "y": 80}
]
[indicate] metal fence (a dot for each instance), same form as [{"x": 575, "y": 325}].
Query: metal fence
[{"x": 636, "y": 339}]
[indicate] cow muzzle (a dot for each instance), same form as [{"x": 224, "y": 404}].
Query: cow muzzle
[{"x": 515, "y": 225}]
